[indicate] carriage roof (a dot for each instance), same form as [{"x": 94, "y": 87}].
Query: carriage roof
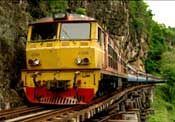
[{"x": 65, "y": 18}]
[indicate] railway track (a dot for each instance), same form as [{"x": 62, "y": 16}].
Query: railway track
[
  {"x": 25, "y": 113},
  {"x": 115, "y": 101},
  {"x": 19, "y": 111}
]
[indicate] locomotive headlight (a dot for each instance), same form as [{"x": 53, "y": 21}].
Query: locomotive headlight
[
  {"x": 78, "y": 61},
  {"x": 36, "y": 62},
  {"x": 59, "y": 15},
  {"x": 83, "y": 61}
]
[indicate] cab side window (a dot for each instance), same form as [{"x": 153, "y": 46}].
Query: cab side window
[{"x": 100, "y": 36}]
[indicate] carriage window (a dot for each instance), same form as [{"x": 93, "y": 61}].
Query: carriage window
[
  {"x": 74, "y": 31},
  {"x": 44, "y": 31},
  {"x": 100, "y": 36}
]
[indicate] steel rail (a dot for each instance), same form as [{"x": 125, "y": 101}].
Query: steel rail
[
  {"x": 80, "y": 112},
  {"x": 45, "y": 116},
  {"x": 87, "y": 111},
  {"x": 5, "y": 114},
  {"x": 98, "y": 107},
  {"x": 2, "y": 112}
]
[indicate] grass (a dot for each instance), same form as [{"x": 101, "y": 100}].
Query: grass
[{"x": 164, "y": 111}]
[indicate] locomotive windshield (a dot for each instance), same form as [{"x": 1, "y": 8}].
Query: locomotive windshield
[
  {"x": 75, "y": 31},
  {"x": 44, "y": 31}
]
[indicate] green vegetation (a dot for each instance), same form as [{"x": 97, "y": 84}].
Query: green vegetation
[
  {"x": 80, "y": 11},
  {"x": 42, "y": 8},
  {"x": 57, "y": 5},
  {"x": 157, "y": 47},
  {"x": 140, "y": 19},
  {"x": 163, "y": 110},
  {"x": 140, "y": 24},
  {"x": 160, "y": 59}
]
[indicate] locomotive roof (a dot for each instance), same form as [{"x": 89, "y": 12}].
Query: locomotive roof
[{"x": 66, "y": 18}]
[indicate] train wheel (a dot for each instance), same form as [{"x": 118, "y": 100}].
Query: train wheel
[
  {"x": 101, "y": 89},
  {"x": 114, "y": 85}
]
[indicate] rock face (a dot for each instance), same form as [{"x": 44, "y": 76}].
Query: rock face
[{"x": 14, "y": 20}]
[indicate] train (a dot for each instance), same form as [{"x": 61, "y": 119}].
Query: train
[{"x": 72, "y": 60}]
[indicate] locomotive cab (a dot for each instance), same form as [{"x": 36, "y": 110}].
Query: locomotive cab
[{"x": 58, "y": 38}]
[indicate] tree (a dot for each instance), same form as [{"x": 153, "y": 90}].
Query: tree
[{"x": 157, "y": 46}]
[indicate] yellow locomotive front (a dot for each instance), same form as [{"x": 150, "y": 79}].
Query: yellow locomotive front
[{"x": 64, "y": 60}]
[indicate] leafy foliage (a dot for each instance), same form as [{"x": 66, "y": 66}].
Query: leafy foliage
[
  {"x": 58, "y": 5},
  {"x": 157, "y": 47},
  {"x": 161, "y": 59},
  {"x": 168, "y": 65},
  {"x": 37, "y": 8},
  {"x": 163, "y": 109},
  {"x": 81, "y": 11},
  {"x": 140, "y": 24},
  {"x": 140, "y": 17}
]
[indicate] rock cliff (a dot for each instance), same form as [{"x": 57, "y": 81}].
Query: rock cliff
[{"x": 14, "y": 20}]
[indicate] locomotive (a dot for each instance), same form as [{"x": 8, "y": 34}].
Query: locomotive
[{"x": 71, "y": 60}]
